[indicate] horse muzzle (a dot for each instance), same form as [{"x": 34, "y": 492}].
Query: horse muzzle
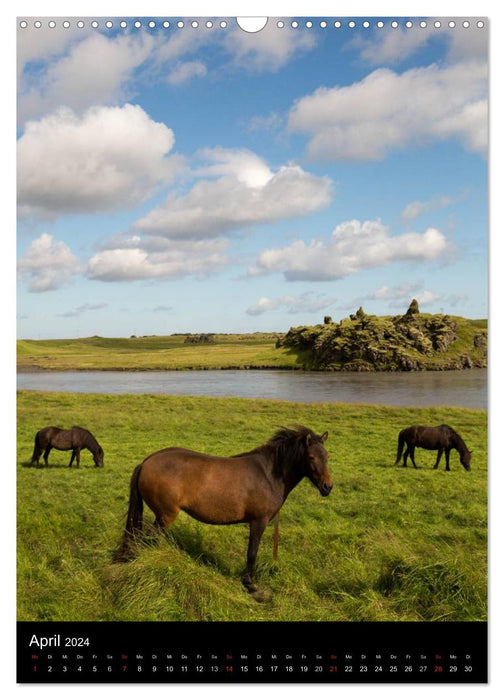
[{"x": 325, "y": 489}]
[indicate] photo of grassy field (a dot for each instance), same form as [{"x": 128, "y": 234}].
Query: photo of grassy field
[
  {"x": 222, "y": 232},
  {"x": 388, "y": 544}
]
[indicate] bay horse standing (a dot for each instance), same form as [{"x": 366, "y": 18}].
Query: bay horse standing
[
  {"x": 441, "y": 438},
  {"x": 250, "y": 487},
  {"x": 75, "y": 439}
]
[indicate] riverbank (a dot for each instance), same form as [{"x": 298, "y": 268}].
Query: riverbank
[
  {"x": 388, "y": 544},
  {"x": 364, "y": 344}
]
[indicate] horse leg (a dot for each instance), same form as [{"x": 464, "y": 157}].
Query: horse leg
[
  {"x": 447, "y": 457},
  {"x": 164, "y": 520},
  {"x": 72, "y": 458},
  {"x": 46, "y": 454},
  {"x": 439, "y": 453},
  {"x": 77, "y": 456},
  {"x": 405, "y": 458},
  {"x": 412, "y": 456},
  {"x": 257, "y": 528}
]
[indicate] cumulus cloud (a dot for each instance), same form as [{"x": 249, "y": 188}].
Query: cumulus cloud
[
  {"x": 78, "y": 68},
  {"x": 248, "y": 193},
  {"x": 108, "y": 158},
  {"x": 94, "y": 70},
  {"x": 388, "y": 110},
  {"x": 352, "y": 246},
  {"x": 179, "y": 259},
  {"x": 48, "y": 264},
  {"x": 305, "y": 303},
  {"x": 393, "y": 45},
  {"x": 183, "y": 72},
  {"x": 267, "y": 50}
]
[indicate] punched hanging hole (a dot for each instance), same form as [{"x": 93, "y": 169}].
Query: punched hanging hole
[{"x": 252, "y": 24}]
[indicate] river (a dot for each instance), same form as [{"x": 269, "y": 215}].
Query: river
[{"x": 466, "y": 388}]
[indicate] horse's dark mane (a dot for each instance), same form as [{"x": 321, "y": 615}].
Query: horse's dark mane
[
  {"x": 89, "y": 439},
  {"x": 287, "y": 444},
  {"x": 458, "y": 443}
]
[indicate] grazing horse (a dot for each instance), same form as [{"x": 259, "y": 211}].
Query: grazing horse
[
  {"x": 75, "y": 439},
  {"x": 442, "y": 438},
  {"x": 246, "y": 488}
]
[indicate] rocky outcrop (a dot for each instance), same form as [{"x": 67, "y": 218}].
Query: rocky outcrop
[{"x": 410, "y": 342}]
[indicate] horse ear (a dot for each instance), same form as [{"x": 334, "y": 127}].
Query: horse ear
[
  {"x": 308, "y": 440},
  {"x": 324, "y": 436}
]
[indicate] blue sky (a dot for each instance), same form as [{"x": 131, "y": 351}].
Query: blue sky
[{"x": 196, "y": 179}]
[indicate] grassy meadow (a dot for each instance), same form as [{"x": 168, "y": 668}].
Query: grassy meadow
[
  {"x": 387, "y": 544},
  {"x": 228, "y": 351}
]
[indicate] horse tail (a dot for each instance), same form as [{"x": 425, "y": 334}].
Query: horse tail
[
  {"x": 37, "y": 449},
  {"x": 400, "y": 446},
  {"x": 35, "y": 452},
  {"x": 133, "y": 519}
]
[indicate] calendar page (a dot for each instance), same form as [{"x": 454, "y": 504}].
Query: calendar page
[{"x": 252, "y": 349}]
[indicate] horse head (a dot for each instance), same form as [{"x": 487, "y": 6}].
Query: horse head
[
  {"x": 98, "y": 457},
  {"x": 316, "y": 467},
  {"x": 465, "y": 460}
]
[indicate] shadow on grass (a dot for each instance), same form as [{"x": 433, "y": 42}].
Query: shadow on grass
[
  {"x": 29, "y": 465},
  {"x": 193, "y": 543}
]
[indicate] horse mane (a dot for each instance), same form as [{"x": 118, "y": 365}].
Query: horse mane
[
  {"x": 459, "y": 444},
  {"x": 90, "y": 441},
  {"x": 288, "y": 445}
]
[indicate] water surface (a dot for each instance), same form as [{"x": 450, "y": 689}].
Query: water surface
[{"x": 450, "y": 388}]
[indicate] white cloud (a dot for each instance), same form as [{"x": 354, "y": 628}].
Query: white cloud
[
  {"x": 388, "y": 110},
  {"x": 269, "y": 49},
  {"x": 179, "y": 259},
  {"x": 48, "y": 264},
  {"x": 305, "y": 303},
  {"x": 424, "y": 298},
  {"x": 392, "y": 45},
  {"x": 78, "y": 68},
  {"x": 183, "y": 72},
  {"x": 94, "y": 71},
  {"x": 415, "y": 209},
  {"x": 352, "y": 246},
  {"x": 399, "y": 291},
  {"x": 108, "y": 158},
  {"x": 247, "y": 167},
  {"x": 248, "y": 193}
]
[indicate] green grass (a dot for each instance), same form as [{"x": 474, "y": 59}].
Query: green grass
[
  {"x": 387, "y": 544},
  {"x": 233, "y": 351}
]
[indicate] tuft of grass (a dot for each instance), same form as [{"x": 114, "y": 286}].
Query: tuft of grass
[{"x": 388, "y": 544}]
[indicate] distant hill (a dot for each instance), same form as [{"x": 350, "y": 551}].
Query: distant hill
[{"x": 413, "y": 341}]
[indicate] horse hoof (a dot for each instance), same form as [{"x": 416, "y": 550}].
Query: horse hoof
[
  {"x": 249, "y": 585},
  {"x": 261, "y": 596}
]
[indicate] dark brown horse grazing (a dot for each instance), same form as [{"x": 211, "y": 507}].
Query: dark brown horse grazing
[
  {"x": 246, "y": 488},
  {"x": 442, "y": 438},
  {"x": 75, "y": 439}
]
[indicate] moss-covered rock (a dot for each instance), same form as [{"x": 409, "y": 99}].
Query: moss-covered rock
[{"x": 410, "y": 342}]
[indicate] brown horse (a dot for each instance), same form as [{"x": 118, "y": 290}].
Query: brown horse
[
  {"x": 246, "y": 488},
  {"x": 75, "y": 439},
  {"x": 442, "y": 438}
]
